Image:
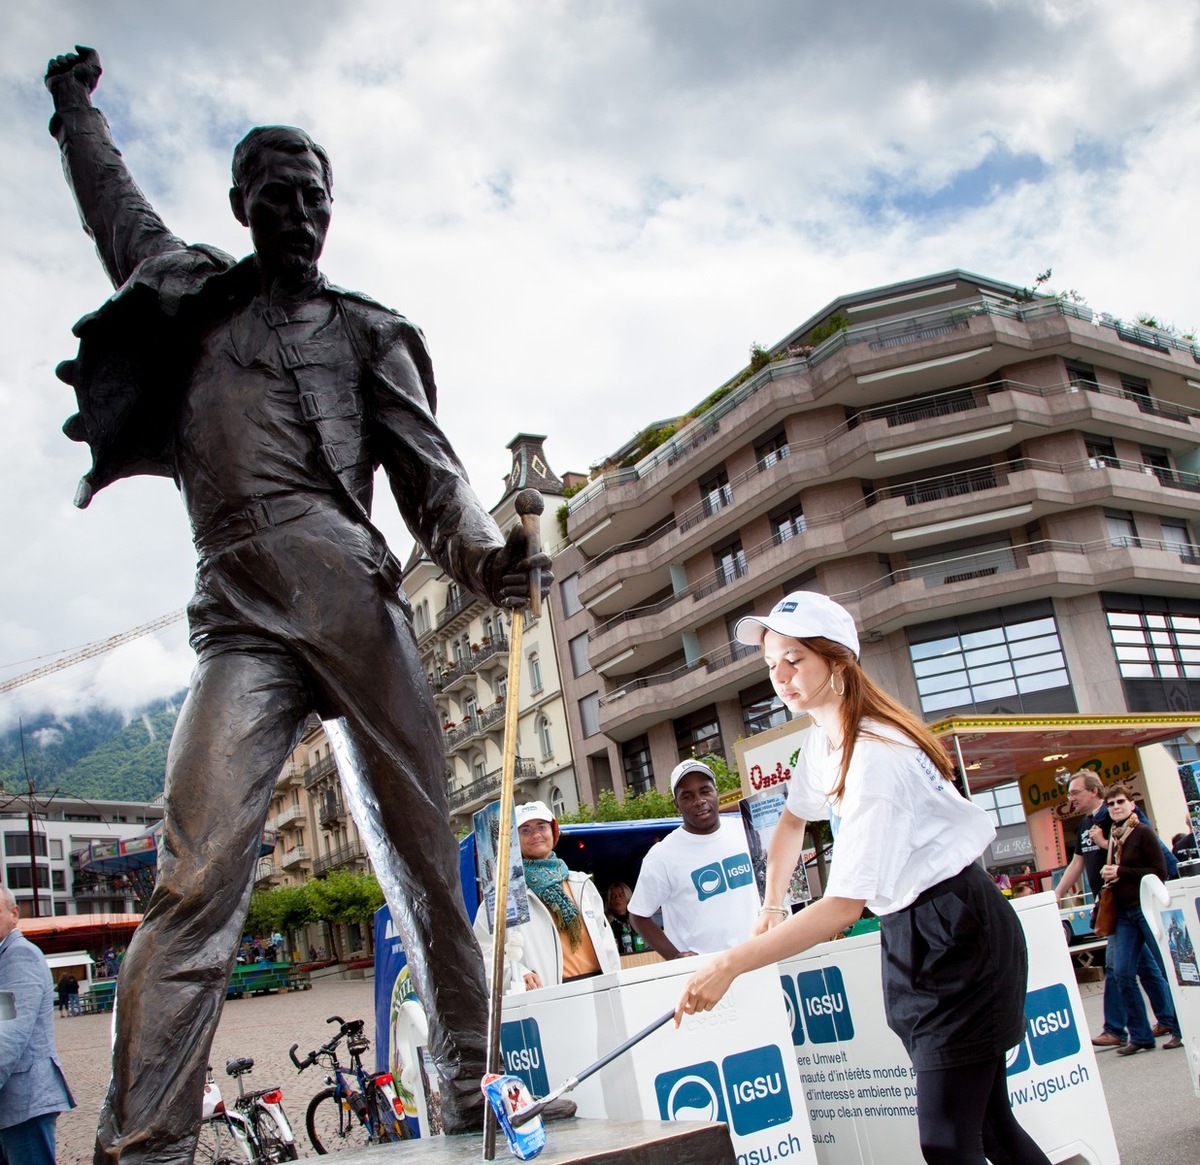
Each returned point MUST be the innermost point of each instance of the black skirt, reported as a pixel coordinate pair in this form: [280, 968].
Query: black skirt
[954, 973]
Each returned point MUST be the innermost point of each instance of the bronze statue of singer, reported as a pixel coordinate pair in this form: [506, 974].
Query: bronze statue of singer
[271, 397]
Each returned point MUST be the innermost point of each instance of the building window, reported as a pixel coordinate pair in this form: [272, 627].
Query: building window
[558, 803]
[730, 561]
[715, 491]
[761, 709]
[990, 657]
[56, 848]
[1158, 462]
[1156, 645]
[787, 522]
[1080, 375]
[1121, 530]
[1101, 451]
[635, 759]
[16, 845]
[544, 738]
[1136, 389]
[579, 654]
[568, 591]
[421, 617]
[535, 672]
[1177, 538]
[500, 687]
[699, 734]
[589, 714]
[771, 449]
[478, 769]
[1002, 803]
[21, 877]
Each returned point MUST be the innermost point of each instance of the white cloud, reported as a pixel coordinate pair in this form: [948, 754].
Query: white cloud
[591, 210]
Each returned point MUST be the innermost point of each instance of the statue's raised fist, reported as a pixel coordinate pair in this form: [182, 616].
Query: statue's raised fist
[80, 68]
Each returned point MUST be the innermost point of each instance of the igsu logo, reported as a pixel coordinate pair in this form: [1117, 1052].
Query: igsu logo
[817, 1000]
[1050, 1030]
[749, 1087]
[521, 1047]
[727, 874]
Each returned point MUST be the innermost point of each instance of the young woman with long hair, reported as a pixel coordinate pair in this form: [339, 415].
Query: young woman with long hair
[906, 844]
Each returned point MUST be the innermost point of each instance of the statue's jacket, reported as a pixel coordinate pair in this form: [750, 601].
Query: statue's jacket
[364, 379]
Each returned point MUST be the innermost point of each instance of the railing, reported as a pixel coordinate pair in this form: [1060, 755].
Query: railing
[485, 651]
[921, 325]
[289, 815]
[294, 857]
[344, 855]
[264, 870]
[479, 721]
[460, 603]
[479, 790]
[325, 767]
[457, 670]
[944, 572]
[330, 808]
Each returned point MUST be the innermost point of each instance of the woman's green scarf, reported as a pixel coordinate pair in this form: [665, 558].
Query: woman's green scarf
[545, 877]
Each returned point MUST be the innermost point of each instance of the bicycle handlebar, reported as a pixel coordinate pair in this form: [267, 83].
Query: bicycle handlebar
[301, 1065]
[353, 1028]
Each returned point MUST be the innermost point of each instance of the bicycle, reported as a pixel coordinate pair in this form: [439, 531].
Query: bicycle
[340, 1116]
[254, 1130]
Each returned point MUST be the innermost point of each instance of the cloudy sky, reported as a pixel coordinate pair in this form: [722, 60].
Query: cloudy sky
[593, 208]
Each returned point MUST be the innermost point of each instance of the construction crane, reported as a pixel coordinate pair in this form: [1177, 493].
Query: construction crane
[90, 650]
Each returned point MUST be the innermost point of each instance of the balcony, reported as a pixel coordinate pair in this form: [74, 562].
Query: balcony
[490, 719]
[330, 809]
[456, 611]
[456, 675]
[265, 872]
[323, 768]
[289, 817]
[479, 792]
[872, 359]
[492, 654]
[294, 857]
[346, 855]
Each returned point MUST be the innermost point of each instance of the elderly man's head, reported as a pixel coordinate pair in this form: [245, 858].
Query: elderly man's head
[9, 913]
[282, 190]
[1085, 791]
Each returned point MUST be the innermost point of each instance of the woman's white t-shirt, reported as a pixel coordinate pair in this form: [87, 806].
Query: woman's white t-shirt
[900, 826]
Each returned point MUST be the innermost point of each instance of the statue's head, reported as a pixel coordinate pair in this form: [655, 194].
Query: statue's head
[283, 190]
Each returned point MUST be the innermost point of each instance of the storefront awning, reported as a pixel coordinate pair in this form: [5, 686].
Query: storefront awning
[997, 749]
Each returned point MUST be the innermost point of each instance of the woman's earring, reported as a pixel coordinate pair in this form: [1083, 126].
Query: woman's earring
[838, 683]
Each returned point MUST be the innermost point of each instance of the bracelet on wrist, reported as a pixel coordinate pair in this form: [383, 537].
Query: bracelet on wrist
[782, 911]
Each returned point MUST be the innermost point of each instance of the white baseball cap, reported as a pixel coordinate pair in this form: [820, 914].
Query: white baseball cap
[536, 811]
[801, 615]
[682, 769]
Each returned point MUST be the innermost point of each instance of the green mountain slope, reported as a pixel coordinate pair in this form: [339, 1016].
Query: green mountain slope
[94, 754]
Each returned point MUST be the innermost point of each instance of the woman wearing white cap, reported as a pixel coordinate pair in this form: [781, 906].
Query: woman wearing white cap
[568, 935]
[906, 843]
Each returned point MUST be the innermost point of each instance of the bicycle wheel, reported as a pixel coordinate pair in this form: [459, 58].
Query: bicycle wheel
[332, 1126]
[271, 1147]
[215, 1144]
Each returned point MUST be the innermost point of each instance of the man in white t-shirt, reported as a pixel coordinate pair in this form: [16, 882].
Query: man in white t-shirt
[700, 876]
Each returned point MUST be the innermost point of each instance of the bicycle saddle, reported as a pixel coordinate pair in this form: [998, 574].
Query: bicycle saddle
[239, 1065]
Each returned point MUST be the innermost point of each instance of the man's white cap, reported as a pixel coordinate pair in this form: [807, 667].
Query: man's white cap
[682, 769]
[801, 615]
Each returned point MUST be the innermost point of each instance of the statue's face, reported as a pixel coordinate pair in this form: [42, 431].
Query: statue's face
[287, 209]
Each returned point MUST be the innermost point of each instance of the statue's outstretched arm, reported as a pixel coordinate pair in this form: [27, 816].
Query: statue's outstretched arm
[114, 211]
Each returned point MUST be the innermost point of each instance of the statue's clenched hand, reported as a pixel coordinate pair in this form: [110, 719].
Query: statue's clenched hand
[72, 77]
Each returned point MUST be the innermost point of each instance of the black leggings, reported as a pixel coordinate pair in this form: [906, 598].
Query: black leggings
[963, 1115]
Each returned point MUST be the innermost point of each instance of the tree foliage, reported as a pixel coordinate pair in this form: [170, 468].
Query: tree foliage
[651, 804]
[341, 896]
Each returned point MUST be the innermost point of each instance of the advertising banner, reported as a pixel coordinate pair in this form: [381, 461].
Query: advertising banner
[1173, 911]
[858, 1080]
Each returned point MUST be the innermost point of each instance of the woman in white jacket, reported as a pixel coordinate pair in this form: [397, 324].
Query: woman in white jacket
[567, 936]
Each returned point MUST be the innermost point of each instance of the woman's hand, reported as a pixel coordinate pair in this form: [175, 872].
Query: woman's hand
[705, 988]
[1110, 872]
[532, 981]
[768, 917]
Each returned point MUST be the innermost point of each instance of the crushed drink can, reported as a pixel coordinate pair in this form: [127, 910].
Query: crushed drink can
[508, 1096]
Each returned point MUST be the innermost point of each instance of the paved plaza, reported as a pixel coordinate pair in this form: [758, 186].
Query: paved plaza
[1154, 1112]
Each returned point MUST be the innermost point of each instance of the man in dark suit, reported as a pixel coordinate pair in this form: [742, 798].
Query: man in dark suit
[33, 1090]
[271, 397]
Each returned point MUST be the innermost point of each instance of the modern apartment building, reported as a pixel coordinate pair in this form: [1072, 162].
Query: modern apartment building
[464, 645]
[62, 827]
[1001, 487]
